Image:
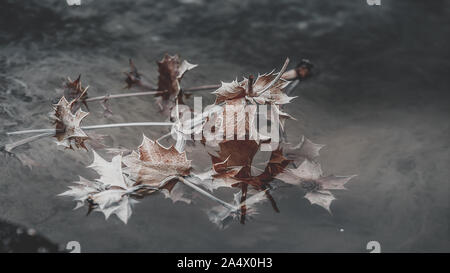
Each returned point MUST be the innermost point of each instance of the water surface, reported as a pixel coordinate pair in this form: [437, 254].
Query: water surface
[379, 101]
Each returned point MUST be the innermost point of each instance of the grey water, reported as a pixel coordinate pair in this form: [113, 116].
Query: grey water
[379, 100]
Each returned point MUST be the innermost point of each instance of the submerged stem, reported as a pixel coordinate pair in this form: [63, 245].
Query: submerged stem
[207, 194]
[11, 146]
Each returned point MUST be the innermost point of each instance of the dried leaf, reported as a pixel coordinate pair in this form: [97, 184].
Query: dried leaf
[73, 91]
[273, 95]
[229, 91]
[306, 149]
[133, 77]
[310, 177]
[109, 194]
[219, 176]
[321, 198]
[110, 172]
[222, 216]
[177, 193]
[153, 163]
[276, 165]
[107, 112]
[237, 153]
[68, 131]
[171, 70]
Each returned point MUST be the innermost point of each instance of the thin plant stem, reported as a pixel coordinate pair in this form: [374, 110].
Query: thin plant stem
[202, 87]
[50, 132]
[152, 92]
[92, 127]
[130, 124]
[125, 95]
[207, 194]
[11, 146]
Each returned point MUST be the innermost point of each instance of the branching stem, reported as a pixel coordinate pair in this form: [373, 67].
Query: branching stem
[50, 132]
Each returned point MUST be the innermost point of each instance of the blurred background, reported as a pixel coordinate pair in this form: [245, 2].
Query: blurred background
[379, 100]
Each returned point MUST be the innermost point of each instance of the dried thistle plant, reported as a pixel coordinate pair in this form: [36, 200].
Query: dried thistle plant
[153, 168]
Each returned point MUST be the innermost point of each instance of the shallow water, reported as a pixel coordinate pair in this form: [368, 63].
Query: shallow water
[379, 101]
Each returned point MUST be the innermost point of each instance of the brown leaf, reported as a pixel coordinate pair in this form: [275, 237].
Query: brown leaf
[68, 129]
[136, 80]
[153, 163]
[236, 121]
[267, 89]
[276, 165]
[254, 94]
[236, 153]
[171, 70]
[73, 91]
[133, 77]
[229, 91]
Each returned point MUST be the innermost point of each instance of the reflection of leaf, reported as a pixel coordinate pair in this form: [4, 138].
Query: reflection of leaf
[276, 165]
[222, 216]
[68, 129]
[107, 113]
[237, 153]
[177, 193]
[219, 176]
[96, 141]
[307, 171]
[306, 149]
[133, 77]
[321, 198]
[27, 161]
[82, 190]
[310, 177]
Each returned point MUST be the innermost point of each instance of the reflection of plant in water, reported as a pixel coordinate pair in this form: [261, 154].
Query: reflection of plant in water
[153, 168]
